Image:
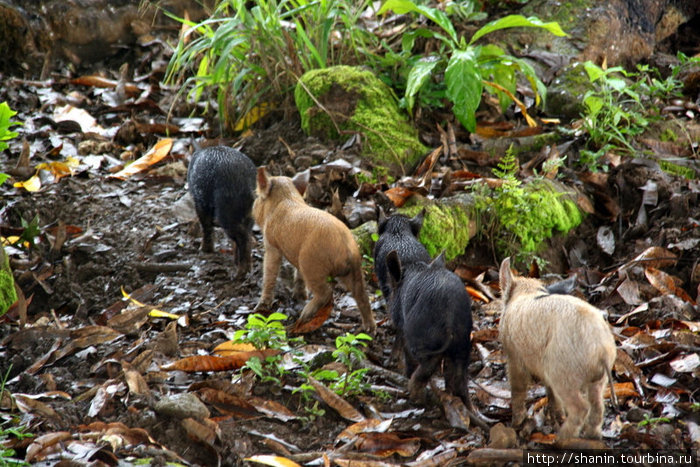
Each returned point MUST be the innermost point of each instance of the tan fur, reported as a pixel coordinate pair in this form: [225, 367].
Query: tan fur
[563, 342]
[315, 242]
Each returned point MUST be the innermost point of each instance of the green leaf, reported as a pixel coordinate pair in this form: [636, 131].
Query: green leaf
[417, 77]
[594, 71]
[439, 17]
[515, 21]
[464, 87]
[3, 177]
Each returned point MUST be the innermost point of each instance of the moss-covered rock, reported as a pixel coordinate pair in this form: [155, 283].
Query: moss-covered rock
[564, 95]
[448, 225]
[8, 295]
[364, 236]
[358, 102]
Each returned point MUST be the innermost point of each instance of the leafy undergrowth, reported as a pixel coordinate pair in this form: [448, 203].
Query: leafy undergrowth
[118, 348]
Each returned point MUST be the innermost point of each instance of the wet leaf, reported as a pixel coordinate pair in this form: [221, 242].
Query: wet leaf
[654, 257]
[134, 380]
[96, 81]
[214, 363]
[314, 323]
[32, 184]
[68, 113]
[686, 363]
[86, 337]
[387, 444]
[365, 426]
[606, 239]
[205, 431]
[272, 409]
[34, 407]
[339, 404]
[46, 444]
[154, 155]
[666, 284]
[622, 390]
[232, 348]
[274, 461]
[399, 195]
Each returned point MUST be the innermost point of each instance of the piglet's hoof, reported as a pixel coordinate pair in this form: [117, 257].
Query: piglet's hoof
[262, 307]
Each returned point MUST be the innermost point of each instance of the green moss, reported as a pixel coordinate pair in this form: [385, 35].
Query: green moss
[359, 103]
[668, 135]
[8, 295]
[364, 236]
[447, 226]
[675, 169]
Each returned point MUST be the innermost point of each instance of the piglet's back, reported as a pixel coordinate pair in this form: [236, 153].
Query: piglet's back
[547, 324]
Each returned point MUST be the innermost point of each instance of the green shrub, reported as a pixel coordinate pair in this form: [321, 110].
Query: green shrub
[251, 55]
[466, 67]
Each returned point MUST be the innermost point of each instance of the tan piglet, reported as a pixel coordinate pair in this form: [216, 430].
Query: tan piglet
[563, 342]
[315, 242]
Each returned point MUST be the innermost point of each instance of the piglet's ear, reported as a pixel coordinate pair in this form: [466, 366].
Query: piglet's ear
[439, 261]
[505, 279]
[263, 182]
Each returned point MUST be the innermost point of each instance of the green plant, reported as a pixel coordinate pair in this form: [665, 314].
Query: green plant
[348, 353]
[266, 332]
[6, 114]
[467, 67]
[614, 113]
[251, 53]
[649, 422]
[7, 455]
[521, 216]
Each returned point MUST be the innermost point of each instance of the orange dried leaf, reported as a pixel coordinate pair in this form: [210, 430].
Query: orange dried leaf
[387, 444]
[274, 461]
[230, 404]
[230, 347]
[429, 162]
[205, 432]
[541, 438]
[156, 154]
[476, 295]
[339, 404]
[666, 284]
[625, 389]
[314, 323]
[213, 363]
[398, 195]
[368, 425]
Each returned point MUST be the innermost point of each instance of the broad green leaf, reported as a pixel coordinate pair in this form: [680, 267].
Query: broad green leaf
[618, 84]
[514, 21]
[433, 14]
[594, 71]
[3, 177]
[464, 87]
[535, 82]
[594, 104]
[419, 74]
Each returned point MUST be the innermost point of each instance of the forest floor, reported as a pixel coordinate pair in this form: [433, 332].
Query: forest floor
[87, 367]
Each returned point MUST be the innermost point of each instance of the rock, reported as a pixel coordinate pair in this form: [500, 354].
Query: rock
[359, 103]
[502, 437]
[8, 294]
[183, 405]
[448, 225]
